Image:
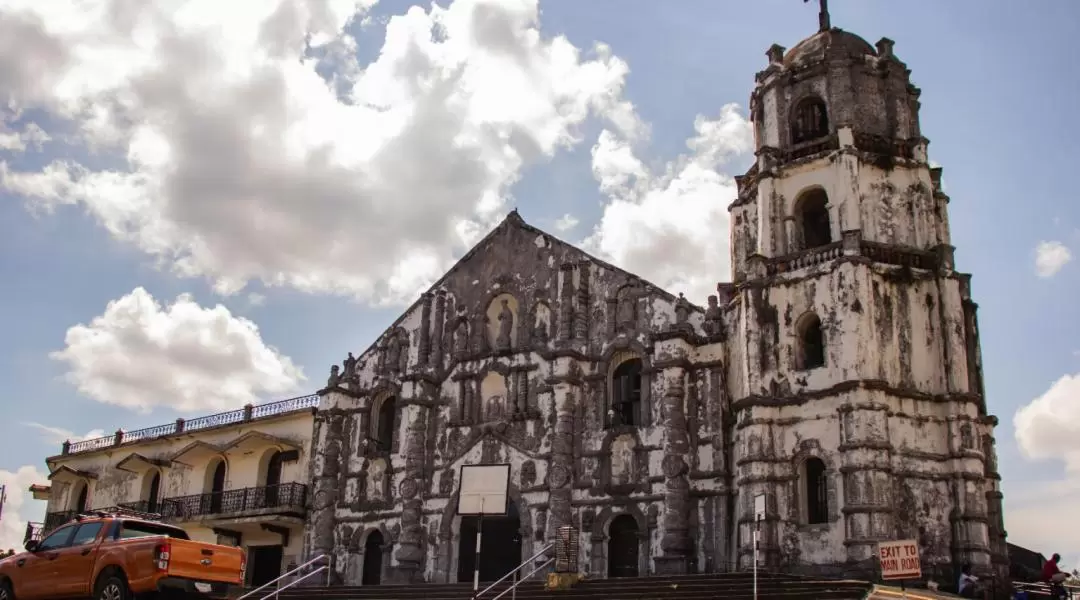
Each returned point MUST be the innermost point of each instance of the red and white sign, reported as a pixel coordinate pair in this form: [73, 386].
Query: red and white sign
[899, 560]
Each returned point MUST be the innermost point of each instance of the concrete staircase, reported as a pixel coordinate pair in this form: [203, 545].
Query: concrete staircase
[686, 587]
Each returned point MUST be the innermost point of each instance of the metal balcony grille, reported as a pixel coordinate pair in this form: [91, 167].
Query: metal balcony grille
[285, 496]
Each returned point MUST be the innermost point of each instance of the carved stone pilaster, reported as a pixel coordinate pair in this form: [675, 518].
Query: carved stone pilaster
[424, 353]
[410, 554]
[675, 542]
[440, 320]
[581, 318]
[566, 303]
[327, 483]
[561, 472]
[609, 317]
[521, 392]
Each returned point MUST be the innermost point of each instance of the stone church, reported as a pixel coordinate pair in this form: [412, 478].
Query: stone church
[838, 374]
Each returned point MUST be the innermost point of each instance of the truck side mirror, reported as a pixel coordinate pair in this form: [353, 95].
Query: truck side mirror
[31, 545]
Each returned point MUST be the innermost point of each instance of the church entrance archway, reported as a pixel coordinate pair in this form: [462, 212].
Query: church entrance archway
[500, 546]
[373, 551]
[623, 547]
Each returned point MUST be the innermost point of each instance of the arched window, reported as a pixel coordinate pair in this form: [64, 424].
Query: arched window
[816, 488]
[809, 121]
[153, 492]
[626, 394]
[812, 217]
[810, 353]
[384, 425]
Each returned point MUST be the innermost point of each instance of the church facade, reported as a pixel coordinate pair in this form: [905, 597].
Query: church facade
[838, 375]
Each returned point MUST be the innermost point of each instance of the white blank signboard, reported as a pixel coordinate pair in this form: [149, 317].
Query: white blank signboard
[483, 489]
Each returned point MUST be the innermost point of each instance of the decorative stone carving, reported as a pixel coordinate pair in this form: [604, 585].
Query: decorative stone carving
[439, 324]
[348, 370]
[588, 521]
[676, 540]
[408, 489]
[542, 324]
[581, 319]
[461, 337]
[395, 350]
[626, 311]
[967, 440]
[566, 303]
[713, 318]
[425, 331]
[528, 474]
[446, 482]
[653, 516]
[541, 525]
[558, 476]
[622, 459]
[376, 480]
[682, 311]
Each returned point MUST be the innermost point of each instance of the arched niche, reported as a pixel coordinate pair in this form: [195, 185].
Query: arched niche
[810, 348]
[813, 224]
[809, 120]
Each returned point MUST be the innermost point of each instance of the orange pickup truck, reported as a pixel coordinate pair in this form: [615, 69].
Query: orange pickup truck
[110, 557]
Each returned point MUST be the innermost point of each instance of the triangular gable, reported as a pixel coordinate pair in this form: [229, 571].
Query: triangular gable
[478, 435]
[259, 438]
[66, 473]
[137, 463]
[195, 449]
[513, 219]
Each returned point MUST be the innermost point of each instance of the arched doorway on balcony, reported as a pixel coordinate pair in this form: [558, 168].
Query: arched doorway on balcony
[215, 485]
[273, 479]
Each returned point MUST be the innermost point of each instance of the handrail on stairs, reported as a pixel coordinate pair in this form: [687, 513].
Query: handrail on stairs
[325, 567]
[514, 572]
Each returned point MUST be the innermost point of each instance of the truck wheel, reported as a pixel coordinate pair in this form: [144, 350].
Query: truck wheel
[112, 587]
[5, 591]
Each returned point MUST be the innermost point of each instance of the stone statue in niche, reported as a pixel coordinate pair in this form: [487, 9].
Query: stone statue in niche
[622, 460]
[626, 307]
[506, 326]
[461, 337]
[446, 482]
[335, 376]
[713, 324]
[376, 480]
[494, 409]
[348, 369]
[393, 352]
[966, 440]
[542, 319]
[588, 520]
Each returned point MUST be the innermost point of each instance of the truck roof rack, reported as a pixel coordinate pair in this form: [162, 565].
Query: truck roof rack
[118, 511]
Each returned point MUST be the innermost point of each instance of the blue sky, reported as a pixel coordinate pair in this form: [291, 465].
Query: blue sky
[999, 84]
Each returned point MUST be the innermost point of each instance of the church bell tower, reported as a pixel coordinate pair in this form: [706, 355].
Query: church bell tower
[855, 370]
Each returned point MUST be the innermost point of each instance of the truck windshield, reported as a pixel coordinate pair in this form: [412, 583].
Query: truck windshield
[136, 529]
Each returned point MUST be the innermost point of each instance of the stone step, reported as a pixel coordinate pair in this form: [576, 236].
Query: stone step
[689, 587]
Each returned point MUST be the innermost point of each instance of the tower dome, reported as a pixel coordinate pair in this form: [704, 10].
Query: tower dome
[826, 44]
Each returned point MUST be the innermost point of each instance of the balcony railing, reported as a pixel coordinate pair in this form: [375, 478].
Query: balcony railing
[283, 497]
[240, 415]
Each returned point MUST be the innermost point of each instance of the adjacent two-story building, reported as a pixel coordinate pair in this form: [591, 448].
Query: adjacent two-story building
[237, 478]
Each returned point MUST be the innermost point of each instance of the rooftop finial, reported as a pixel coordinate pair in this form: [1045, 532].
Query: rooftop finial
[823, 16]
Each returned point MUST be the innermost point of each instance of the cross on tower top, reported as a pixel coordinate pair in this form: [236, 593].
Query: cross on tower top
[823, 16]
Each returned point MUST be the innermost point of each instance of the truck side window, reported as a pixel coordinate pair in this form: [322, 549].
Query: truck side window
[57, 539]
[87, 534]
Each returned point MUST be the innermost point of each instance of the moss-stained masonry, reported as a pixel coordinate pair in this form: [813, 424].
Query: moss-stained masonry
[509, 359]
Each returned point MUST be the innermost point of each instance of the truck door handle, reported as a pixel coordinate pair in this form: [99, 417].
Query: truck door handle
[20, 562]
[87, 551]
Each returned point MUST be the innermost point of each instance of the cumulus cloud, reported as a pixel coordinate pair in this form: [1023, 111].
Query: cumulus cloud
[1048, 428]
[31, 136]
[671, 226]
[141, 355]
[20, 506]
[1050, 257]
[59, 435]
[248, 143]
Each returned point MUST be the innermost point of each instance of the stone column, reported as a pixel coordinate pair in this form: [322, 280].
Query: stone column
[410, 554]
[566, 303]
[675, 543]
[867, 471]
[439, 324]
[581, 318]
[424, 353]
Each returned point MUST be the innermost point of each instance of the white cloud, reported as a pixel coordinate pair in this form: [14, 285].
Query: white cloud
[237, 161]
[671, 227]
[17, 141]
[1048, 428]
[59, 435]
[1050, 257]
[20, 506]
[256, 299]
[566, 222]
[141, 355]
